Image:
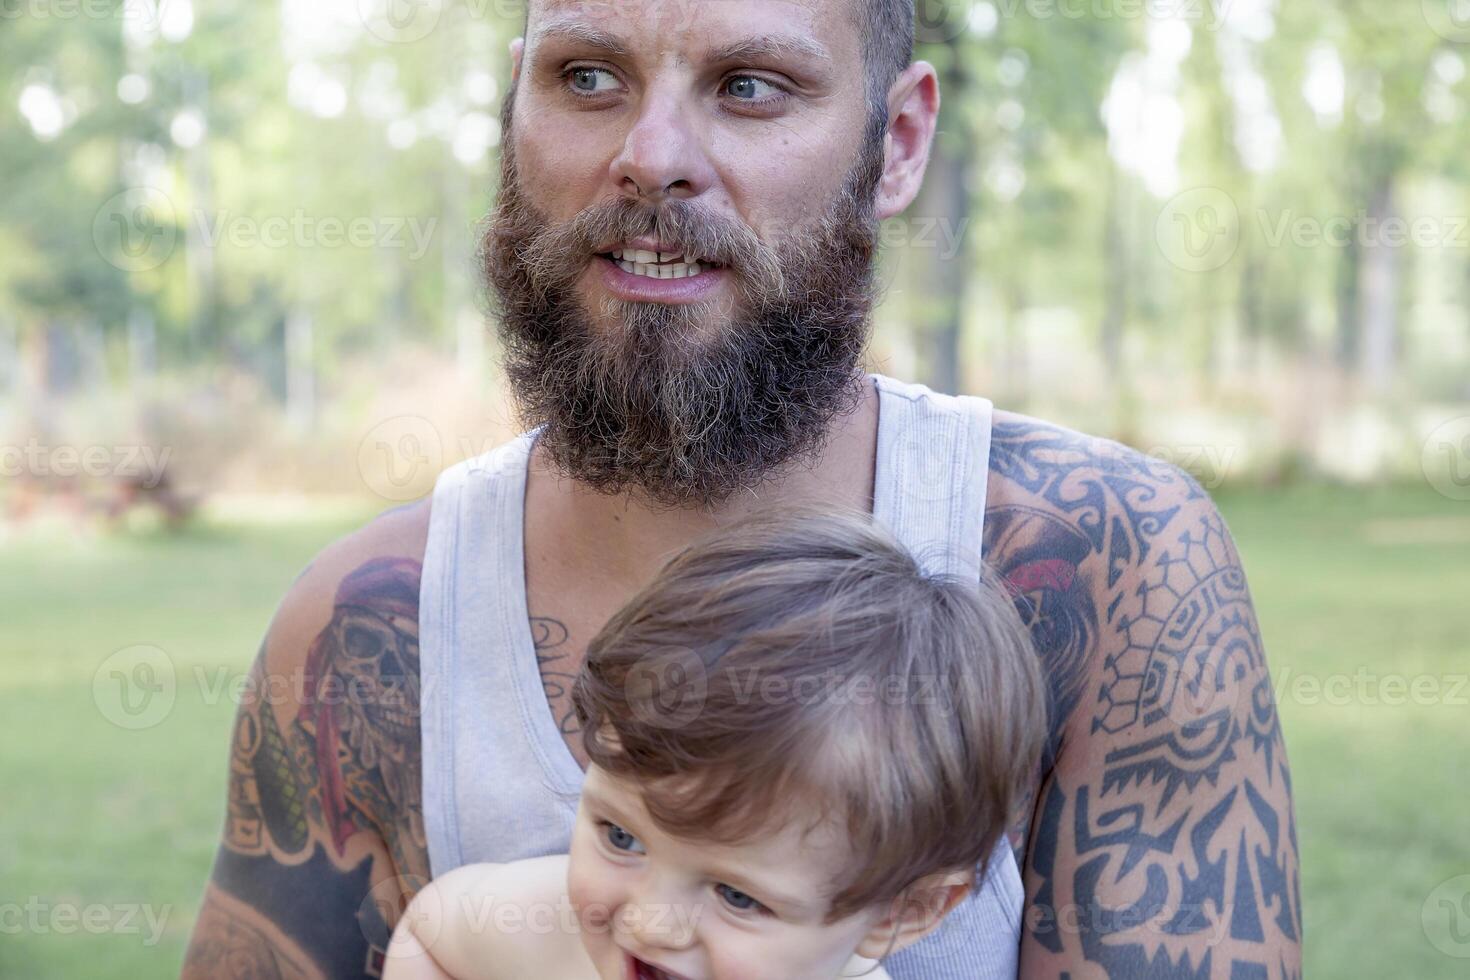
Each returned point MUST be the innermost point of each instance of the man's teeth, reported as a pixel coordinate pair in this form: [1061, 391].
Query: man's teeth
[656, 265]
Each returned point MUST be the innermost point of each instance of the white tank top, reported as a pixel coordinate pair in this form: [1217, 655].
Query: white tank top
[500, 783]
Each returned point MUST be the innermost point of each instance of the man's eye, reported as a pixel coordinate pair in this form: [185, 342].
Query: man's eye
[748, 88]
[738, 900]
[620, 838]
[585, 80]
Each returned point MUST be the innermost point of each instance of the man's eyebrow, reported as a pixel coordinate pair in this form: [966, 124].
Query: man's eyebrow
[750, 48]
[770, 45]
[578, 33]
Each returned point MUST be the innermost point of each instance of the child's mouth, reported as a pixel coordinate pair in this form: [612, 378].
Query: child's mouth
[639, 970]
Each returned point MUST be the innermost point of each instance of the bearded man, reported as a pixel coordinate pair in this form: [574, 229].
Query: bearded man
[681, 259]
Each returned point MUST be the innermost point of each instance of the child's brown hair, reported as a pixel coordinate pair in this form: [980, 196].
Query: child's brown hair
[803, 665]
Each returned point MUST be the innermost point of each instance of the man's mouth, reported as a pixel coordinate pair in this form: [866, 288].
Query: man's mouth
[658, 265]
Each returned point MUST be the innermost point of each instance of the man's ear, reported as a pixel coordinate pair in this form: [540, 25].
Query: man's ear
[916, 913]
[913, 114]
[517, 49]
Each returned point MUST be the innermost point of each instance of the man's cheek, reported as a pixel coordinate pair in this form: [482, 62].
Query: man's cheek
[555, 176]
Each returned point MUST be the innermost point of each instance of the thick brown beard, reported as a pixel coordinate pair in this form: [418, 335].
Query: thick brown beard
[667, 407]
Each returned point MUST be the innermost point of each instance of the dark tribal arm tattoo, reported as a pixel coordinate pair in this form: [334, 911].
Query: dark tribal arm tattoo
[324, 840]
[1162, 845]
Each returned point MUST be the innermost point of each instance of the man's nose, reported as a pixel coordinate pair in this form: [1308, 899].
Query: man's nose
[662, 155]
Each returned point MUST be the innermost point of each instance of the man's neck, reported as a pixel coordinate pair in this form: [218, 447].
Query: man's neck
[619, 539]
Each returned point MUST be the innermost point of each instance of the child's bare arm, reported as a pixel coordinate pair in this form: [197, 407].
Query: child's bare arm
[436, 938]
[471, 924]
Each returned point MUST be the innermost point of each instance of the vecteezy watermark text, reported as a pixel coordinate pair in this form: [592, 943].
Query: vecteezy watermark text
[40, 460]
[38, 916]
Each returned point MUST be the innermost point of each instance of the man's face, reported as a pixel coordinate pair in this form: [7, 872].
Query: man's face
[732, 139]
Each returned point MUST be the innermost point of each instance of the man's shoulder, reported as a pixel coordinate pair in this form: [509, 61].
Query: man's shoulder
[1089, 533]
[1047, 464]
[376, 567]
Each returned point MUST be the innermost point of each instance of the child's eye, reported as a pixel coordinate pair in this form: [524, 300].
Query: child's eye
[619, 838]
[738, 900]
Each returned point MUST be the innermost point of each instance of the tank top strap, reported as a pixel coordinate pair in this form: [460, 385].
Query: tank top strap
[931, 474]
[929, 490]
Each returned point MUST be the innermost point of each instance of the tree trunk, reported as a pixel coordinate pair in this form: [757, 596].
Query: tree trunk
[1252, 314]
[1016, 362]
[1115, 279]
[1380, 291]
[944, 199]
[1348, 273]
[300, 371]
[198, 250]
[142, 346]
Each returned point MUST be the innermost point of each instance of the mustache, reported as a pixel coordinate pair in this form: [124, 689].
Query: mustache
[556, 254]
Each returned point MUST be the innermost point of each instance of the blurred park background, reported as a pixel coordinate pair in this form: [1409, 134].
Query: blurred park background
[239, 316]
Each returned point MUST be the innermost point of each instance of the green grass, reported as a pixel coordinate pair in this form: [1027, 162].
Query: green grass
[1359, 586]
[93, 815]
[1347, 583]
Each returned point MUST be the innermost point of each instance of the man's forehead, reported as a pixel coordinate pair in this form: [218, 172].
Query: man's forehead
[827, 26]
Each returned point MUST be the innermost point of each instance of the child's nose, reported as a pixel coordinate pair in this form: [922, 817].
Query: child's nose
[660, 918]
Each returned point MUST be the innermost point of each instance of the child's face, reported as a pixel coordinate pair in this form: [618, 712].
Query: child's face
[699, 911]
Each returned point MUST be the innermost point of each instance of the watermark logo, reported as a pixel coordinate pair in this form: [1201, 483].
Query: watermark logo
[136, 229]
[667, 693]
[400, 458]
[1445, 916]
[135, 687]
[939, 21]
[399, 900]
[1199, 230]
[1445, 459]
[1215, 693]
[1450, 19]
[927, 471]
[400, 21]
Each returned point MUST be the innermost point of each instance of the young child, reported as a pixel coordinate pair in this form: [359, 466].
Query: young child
[803, 751]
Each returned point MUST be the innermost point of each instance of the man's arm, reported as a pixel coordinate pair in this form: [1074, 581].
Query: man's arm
[323, 841]
[1163, 843]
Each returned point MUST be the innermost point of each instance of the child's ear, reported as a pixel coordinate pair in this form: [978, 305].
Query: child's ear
[916, 913]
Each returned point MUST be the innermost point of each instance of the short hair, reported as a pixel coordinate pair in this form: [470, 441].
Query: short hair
[887, 30]
[801, 665]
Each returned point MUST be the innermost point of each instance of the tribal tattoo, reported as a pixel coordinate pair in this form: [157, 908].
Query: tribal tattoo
[1163, 843]
[324, 840]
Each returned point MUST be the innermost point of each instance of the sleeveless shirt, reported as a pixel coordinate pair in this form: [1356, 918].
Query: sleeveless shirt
[500, 784]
